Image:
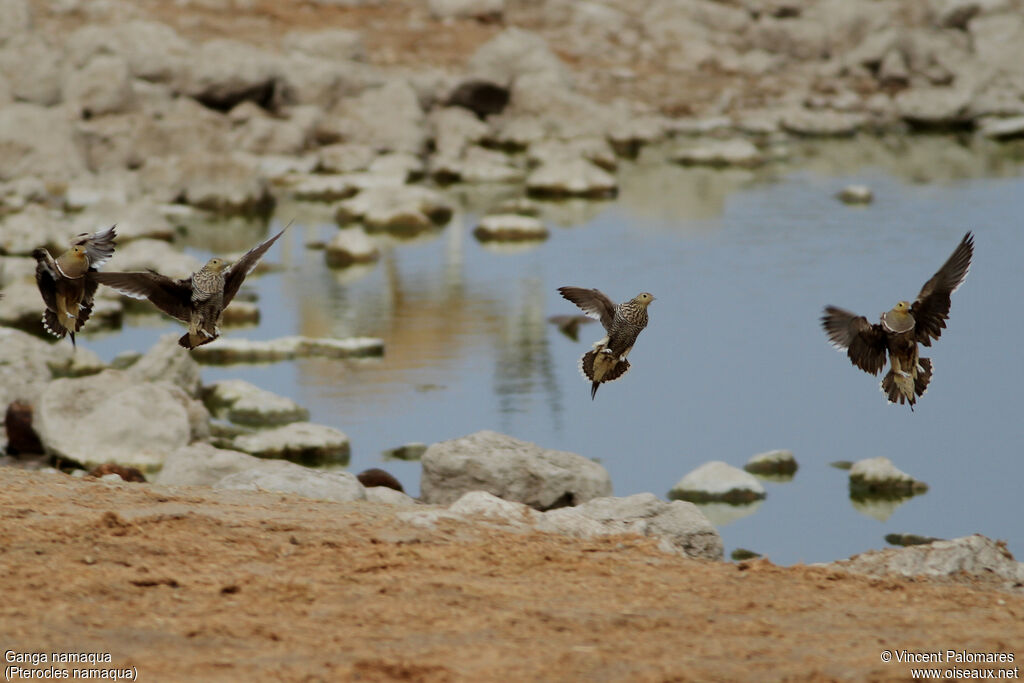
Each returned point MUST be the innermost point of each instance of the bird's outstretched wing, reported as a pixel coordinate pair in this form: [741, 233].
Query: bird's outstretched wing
[173, 297]
[237, 271]
[931, 309]
[99, 246]
[865, 344]
[592, 302]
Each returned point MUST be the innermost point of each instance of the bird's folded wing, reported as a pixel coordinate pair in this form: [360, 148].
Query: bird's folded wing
[46, 277]
[173, 297]
[239, 269]
[865, 343]
[931, 309]
[592, 302]
[99, 246]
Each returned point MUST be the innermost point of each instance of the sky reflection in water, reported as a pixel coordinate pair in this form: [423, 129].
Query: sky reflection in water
[733, 362]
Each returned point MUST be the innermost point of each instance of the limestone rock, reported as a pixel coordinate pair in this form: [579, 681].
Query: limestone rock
[102, 86]
[822, 123]
[514, 53]
[383, 494]
[679, 525]
[404, 210]
[972, 555]
[32, 67]
[225, 350]
[200, 464]
[717, 481]
[934, 107]
[340, 487]
[222, 72]
[333, 43]
[510, 227]
[772, 462]
[167, 361]
[247, 404]
[735, 152]
[387, 118]
[574, 178]
[510, 469]
[856, 194]
[37, 141]
[878, 477]
[466, 9]
[302, 442]
[112, 417]
[350, 247]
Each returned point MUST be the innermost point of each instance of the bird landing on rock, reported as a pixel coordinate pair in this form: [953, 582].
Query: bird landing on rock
[623, 323]
[67, 282]
[198, 301]
[901, 329]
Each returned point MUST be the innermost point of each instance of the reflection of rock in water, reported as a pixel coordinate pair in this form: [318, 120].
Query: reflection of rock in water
[880, 508]
[721, 514]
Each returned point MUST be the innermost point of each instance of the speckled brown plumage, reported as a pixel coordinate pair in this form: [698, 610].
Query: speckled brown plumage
[623, 323]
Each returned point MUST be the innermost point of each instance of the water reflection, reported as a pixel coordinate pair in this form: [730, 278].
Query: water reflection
[721, 514]
[875, 507]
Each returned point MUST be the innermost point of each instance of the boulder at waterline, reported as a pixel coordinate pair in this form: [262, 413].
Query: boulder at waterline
[717, 481]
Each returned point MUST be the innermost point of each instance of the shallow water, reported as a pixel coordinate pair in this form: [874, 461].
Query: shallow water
[733, 362]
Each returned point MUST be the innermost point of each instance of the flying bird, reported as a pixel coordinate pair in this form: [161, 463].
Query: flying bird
[569, 325]
[901, 330]
[68, 283]
[623, 323]
[198, 300]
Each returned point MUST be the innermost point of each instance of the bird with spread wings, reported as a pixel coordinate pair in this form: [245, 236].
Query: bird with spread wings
[901, 330]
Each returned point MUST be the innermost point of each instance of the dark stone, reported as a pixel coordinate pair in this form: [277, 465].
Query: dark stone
[483, 98]
[21, 437]
[126, 473]
[378, 477]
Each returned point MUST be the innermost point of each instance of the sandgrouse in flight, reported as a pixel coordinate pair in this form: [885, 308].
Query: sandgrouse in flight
[901, 330]
[68, 283]
[623, 323]
[199, 300]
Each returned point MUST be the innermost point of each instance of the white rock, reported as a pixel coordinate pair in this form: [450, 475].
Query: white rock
[772, 462]
[822, 123]
[112, 417]
[226, 350]
[483, 504]
[510, 227]
[349, 247]
[934, 107]
[1003, 128]
[410, 209]
[735, 152]
[222, 72]
[102, 86]
[384, 494]
[388, 118]
[341, 487]
[514, 53]
[200, 464]
[856, 194]
[455, 129]
[593, 149]
[718, 481]
[476, 165]
[573, 178]
[345, 157]
[167, 361]
[321, 187]
[149, 254]
[302, 442]
[879, 476]
[32, 67]
[247, 404]
[27, 363]
[679, 525]
[511, 469]
[37, 141]
[333, 43]
[973, 555]
[228, 184]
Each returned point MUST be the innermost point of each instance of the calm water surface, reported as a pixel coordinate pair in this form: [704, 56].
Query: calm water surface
[733, 362]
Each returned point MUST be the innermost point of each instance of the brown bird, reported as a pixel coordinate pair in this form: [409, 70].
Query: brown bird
[901, 330]
[569, 325]
[607, 362]
[67, 283]
[199, 300]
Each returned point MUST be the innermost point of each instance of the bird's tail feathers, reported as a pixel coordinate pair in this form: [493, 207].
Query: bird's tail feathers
[901, 389]
[52, 325]
[190, 341]
[601, 367]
